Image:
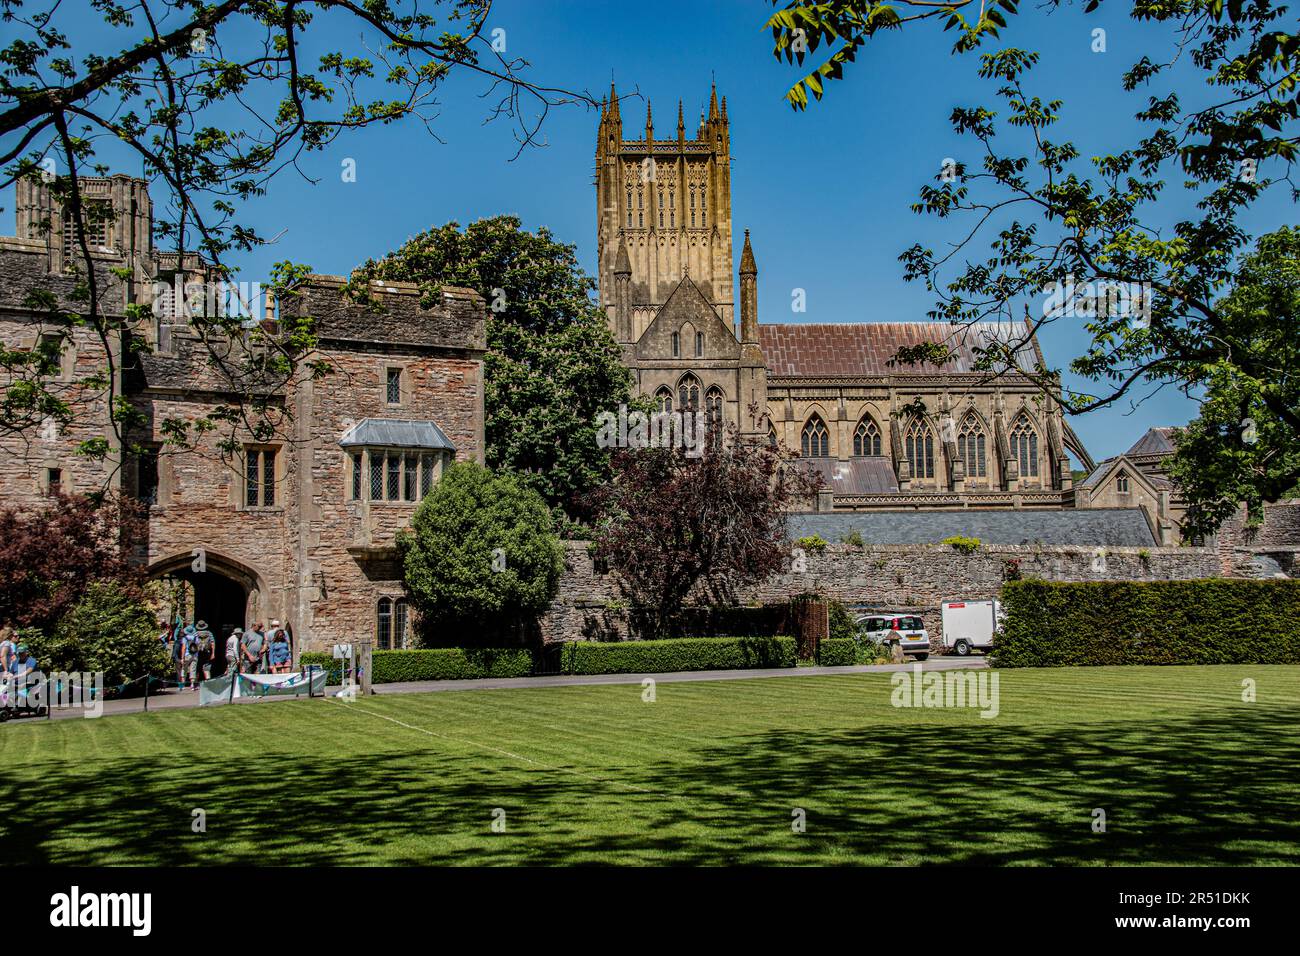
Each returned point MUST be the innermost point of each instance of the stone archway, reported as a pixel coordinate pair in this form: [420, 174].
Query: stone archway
[221, 591]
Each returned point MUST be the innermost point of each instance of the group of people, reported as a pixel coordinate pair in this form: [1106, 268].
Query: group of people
[257, 650]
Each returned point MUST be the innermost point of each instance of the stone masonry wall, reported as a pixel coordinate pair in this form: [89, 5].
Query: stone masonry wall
[914, 578]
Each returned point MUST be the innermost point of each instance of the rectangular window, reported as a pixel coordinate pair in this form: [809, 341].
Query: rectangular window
[394, 386]
[376, 477]
[146, 477]
[410, 476]
[53, 480]
[399, 624]
[356, 477]
[394, 476]
[259, 477]
[426, 474]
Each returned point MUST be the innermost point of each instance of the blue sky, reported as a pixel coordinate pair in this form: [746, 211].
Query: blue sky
[825, 193]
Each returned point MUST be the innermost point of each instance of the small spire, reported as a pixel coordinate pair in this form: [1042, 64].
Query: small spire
[724, 109]
[713, 103]
[681, 122]
[649, 121]
[623, 262]
[747, 265]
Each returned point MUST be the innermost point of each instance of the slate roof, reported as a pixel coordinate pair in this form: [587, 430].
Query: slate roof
[834, 349]
[1095, 477]
[861, 476]
[1117, 527]
[395, 433]
[1156, 441]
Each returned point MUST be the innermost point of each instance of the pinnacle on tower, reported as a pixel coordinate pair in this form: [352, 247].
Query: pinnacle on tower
[681, 122]
[623, 263]
[649, 122]
[713, 103]
[747, 264]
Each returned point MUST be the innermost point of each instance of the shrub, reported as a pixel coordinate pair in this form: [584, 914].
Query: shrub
[964, 545]
[682, 654]
[853, 539]
[837, 652]
[482, 556]
[108, 630]
[444, 663]
[842, 625]
[1050, 624]
[812, 542]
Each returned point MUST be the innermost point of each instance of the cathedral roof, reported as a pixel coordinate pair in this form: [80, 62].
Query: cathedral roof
[1117, 527]
[1156, 441]
[832, 349]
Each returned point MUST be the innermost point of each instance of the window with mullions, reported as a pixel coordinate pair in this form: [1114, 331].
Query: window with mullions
[970, 448]
[866, 439]
[394, 475]
[918, 446]
[259, 477]
[391, 624]
[1024, 446]
[816, 440]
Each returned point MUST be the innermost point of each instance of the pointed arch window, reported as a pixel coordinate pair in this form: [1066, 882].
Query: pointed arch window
[816, 440]
[970, 447]
[1121, 483]
[688, 393]
[699, 344]
[713, 404]
[866, 438]
[677, 345]
[918, 446]
[771, 435]
[1024, 446]
[664, 399]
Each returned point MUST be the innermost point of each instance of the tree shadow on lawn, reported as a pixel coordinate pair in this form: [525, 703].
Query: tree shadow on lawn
[1211, 789]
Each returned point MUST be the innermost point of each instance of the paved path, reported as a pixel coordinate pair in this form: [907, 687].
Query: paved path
[179, 700]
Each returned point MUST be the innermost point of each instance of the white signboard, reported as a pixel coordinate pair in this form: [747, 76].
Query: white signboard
[343, 651]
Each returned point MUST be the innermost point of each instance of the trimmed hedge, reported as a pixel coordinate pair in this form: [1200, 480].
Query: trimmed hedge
[1215, 621]
[443, 663]
[678, 654]
[837, 652]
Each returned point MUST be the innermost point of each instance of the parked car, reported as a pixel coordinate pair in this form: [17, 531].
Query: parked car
[970, 625]
[906, 630]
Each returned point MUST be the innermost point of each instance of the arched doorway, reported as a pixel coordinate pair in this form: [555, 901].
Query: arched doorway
[215, 590]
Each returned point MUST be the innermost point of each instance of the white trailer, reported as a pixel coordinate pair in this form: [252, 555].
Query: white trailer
[970, 625]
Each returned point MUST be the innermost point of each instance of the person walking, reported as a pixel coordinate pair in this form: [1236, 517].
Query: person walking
[206, 647]
[232, 650]
[178, 654]
[8, 648]
[254, 651]
[190, 638]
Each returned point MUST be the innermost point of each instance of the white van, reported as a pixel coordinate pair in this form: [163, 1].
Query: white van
[970, 625]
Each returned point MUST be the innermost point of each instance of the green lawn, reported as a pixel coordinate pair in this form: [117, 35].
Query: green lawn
[707, 774]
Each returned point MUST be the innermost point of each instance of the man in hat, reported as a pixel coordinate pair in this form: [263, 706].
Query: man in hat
[190, 650]
[207, 650]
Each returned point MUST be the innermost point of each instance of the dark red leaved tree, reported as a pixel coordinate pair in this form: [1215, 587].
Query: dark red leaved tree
[675, 526]
[49, 557]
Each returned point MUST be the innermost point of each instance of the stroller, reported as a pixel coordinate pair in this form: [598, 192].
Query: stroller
[16, 699]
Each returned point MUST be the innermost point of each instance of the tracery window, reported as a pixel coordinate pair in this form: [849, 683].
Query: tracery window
[816, 440]
[866, 438]
[918, 446]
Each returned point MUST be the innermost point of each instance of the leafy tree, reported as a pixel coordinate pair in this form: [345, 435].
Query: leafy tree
[1102, 237]
[552, 364]
[1238, 449]
[107, 630]
[50, 558]
[214, 99]
[481, 559]
[674, 526]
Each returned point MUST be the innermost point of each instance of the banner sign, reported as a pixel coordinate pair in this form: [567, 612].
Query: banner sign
[218, 691]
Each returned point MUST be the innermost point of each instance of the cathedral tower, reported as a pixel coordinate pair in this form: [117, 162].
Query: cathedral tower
[665, 204]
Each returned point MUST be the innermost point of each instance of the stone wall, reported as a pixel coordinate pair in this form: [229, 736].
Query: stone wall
[914, 578]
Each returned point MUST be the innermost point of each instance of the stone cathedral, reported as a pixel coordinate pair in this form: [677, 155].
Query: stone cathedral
[692, 338]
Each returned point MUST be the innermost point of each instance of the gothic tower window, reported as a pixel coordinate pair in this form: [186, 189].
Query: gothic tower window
[1024, 446]
[970, 447]
[918, 446]
[688, 393]
[866, 438]
[699, 344]
[672, 209]
[677, 345]
[816, 439]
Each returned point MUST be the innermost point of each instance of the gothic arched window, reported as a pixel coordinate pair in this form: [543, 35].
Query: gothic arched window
[866, 438]
[688, 393]
[1121, 483]
[816, 439]
[677, 345]
[664, 398]
[713, 402]
[918, 446]
[1024, 446]
[699, 344]
[970, 447]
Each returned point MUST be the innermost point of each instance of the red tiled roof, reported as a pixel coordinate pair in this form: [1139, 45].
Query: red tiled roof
[833, 349]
